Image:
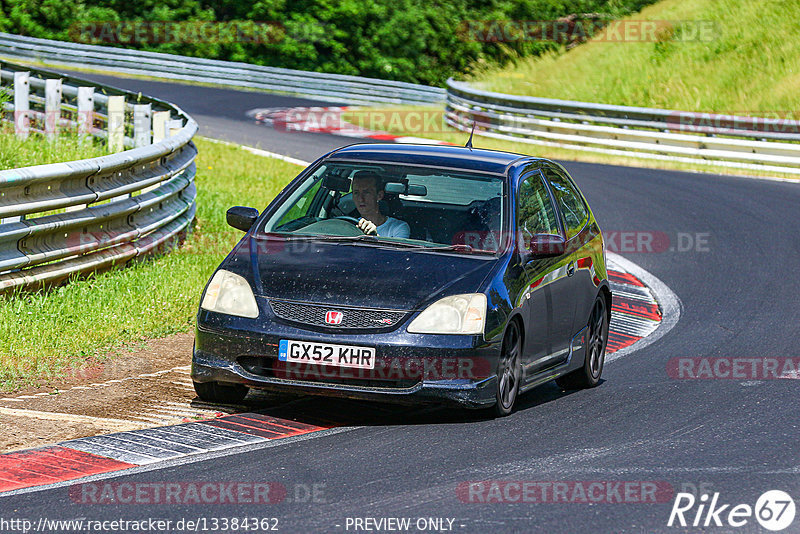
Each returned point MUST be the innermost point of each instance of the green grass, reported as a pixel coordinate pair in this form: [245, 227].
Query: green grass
[38, 150]
[750, 64]
[45, 334]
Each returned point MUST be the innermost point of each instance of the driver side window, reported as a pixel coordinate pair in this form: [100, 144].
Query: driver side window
[302, 206]
[535, 213]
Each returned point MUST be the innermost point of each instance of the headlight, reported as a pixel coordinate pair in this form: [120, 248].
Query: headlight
[231, 294]
[457, 314]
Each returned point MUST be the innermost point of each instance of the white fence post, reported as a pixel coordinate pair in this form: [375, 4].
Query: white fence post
[22, 122]
[116, 123]
[52, 107]
[142, 118]
[160, 119]
[174, 126]
[85, 111]
[85, 120]
[16, 218]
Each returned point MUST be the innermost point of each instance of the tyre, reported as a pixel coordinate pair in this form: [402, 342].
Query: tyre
[588, 376]
[220, 393]
[508, 371]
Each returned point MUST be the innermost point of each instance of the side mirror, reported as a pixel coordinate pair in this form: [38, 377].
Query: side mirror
[241, 217]
[543, 246]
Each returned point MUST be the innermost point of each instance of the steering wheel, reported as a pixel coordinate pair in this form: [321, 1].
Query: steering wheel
[352, 220]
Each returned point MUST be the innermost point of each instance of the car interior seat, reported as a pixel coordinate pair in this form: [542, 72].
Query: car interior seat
[481, 225]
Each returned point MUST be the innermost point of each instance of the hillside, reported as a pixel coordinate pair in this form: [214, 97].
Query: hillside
[728, 56]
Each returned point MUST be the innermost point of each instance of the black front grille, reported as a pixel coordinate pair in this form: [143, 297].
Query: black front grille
[352, 318]
[315, 374]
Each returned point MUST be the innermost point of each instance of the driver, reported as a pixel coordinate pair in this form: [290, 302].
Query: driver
[366, 195]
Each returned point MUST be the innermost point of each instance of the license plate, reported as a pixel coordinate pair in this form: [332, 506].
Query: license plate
[326, 354]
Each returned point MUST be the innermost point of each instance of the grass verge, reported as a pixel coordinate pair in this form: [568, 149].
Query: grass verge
[52, 333]
[38, 150]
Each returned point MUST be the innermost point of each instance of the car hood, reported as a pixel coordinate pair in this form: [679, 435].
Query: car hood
[361, 275]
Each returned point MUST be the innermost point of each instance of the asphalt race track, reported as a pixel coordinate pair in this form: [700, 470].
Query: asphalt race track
[739, 437]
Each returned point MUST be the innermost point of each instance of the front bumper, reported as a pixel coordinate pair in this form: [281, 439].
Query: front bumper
[409, 368]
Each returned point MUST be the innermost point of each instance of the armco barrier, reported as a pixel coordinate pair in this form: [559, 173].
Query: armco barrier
[765, 144]
[337, 87]
[61, 219]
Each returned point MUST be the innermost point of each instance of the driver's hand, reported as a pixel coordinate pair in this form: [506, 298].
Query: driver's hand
[368, 227]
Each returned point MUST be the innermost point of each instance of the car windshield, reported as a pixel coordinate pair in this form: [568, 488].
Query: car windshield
[410, 206]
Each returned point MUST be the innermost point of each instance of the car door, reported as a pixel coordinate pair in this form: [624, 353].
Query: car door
[547, 301]
[574, 218]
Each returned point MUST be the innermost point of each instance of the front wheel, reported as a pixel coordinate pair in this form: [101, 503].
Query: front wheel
[508, 371]
[588, 376]
[220, 393]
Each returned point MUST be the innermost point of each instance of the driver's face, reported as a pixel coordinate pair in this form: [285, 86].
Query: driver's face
[366, 196]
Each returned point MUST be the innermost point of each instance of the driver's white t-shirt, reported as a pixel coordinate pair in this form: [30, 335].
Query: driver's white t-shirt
[394, 228]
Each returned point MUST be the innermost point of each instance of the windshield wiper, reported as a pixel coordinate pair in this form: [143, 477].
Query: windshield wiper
[461, 248]
[317, 237]
[366, 239]
[376, 241]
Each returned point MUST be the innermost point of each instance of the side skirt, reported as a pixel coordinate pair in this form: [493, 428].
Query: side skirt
[546, 375]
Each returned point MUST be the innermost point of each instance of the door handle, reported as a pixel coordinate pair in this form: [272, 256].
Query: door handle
[571, 268]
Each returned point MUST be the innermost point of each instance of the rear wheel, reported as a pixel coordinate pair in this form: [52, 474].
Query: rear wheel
[220, 393]
[508, 371]
[588, 376]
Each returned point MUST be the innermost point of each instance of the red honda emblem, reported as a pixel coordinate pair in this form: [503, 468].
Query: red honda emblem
[333, 317]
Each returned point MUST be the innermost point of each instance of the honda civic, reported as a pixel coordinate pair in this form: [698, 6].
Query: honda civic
[413, 274]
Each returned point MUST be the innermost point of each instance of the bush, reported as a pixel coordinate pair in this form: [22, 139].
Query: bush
[409, 40]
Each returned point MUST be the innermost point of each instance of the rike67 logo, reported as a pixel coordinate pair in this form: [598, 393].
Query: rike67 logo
[774, 510]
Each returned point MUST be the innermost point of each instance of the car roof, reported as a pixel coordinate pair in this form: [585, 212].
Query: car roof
[456, 157]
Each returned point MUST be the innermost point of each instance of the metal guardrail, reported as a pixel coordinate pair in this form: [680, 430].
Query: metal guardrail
[770, 145]
[61, 219]
[336, 87]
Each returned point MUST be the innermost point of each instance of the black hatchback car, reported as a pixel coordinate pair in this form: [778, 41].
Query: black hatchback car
[410, 273]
